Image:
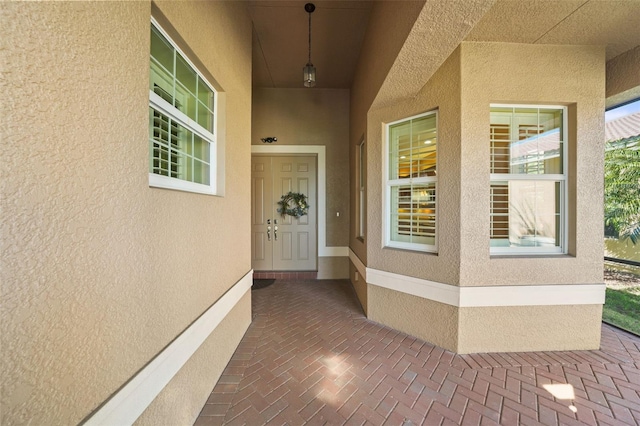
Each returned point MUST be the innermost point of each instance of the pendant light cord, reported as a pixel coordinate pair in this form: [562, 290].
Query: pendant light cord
[309, 37]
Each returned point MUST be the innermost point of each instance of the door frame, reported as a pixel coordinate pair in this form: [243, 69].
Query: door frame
[320, 152]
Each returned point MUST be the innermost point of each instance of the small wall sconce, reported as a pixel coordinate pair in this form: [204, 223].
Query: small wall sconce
[269, 139]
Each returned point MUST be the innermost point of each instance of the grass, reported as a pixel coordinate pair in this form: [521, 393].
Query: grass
[622, 308]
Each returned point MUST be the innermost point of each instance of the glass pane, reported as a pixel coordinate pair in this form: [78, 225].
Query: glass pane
[161, 82]
[412, 148]
[401, 214]
[161, 50]
[413, 214]
[361, 165]
[200, 148]
[201, 172]
[400, 150]
[186, 75]
[185, 101]
[525, 214]
[205, 117]
[526, 140]
[168, 140]
[500, 136]
[423, 146]
[205, 95]
[550, 143]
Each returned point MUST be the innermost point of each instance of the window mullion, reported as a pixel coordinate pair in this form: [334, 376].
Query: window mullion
[156, 102]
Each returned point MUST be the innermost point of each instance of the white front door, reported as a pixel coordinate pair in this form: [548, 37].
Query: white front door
[283, 243]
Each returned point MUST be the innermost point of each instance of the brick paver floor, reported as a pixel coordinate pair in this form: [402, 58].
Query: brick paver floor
[311, 357]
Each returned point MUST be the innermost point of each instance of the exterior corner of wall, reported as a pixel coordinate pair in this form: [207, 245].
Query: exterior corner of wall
[434, 322]
[622, 76]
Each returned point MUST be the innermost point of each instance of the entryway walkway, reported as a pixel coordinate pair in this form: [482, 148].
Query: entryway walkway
[311, 357]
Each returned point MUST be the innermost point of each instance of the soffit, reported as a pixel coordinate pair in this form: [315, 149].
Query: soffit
[612, 23]
[280, 41]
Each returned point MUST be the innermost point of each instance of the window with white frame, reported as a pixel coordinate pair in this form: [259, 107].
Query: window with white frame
[182, 121]
[361, 189]
[411, 183]
[528, 179]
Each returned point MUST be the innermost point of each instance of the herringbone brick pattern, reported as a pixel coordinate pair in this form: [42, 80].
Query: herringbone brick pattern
[311, 357]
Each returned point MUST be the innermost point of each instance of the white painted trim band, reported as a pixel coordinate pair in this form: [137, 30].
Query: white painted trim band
[470, 297]
[131, 401]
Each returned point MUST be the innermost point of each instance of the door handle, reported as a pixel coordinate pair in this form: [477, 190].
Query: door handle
[275, 232]
[268, 229]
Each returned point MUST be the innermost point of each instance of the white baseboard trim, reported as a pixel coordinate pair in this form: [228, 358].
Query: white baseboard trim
[470, 297]
[131, 400]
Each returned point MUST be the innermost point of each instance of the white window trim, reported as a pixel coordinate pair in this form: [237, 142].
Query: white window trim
[389, 183]
[564, 198]
[361, 191]
[159, 104]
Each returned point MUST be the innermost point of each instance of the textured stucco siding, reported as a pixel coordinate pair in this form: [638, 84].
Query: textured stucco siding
[560, 75]
[473, 77]
[442, 92]
[623, 77]
[183, 398]
[432, 321]
[100, 272]
[529, 328]
[333, 268]
[389, 25]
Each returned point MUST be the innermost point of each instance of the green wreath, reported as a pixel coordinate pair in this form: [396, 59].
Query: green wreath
[294, 204]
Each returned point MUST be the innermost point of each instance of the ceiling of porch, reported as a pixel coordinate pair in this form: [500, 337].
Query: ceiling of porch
[280, 38]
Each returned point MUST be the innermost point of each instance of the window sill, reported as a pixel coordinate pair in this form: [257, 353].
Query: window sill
[532, 256]
[433, 251]
[164, 182]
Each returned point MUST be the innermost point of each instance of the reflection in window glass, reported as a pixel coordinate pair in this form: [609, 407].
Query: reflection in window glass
[527, 140]
[528, 178]
[525, 214]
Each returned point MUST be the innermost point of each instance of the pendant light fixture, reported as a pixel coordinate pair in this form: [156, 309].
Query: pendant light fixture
[309, 70]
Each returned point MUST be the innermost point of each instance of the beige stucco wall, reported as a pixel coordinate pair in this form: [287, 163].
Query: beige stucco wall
[185, 395]
[313, 117]
[333, 268]
[100, 272]
[529, 328]
[623, 77]
[560, 75]
[442, 92]
[432, 321]
[474, 76]
[388, 27]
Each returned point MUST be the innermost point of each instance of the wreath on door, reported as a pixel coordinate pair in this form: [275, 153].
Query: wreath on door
[294, 204]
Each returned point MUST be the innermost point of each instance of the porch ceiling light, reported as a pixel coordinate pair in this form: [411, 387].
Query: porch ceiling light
[309, 70]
